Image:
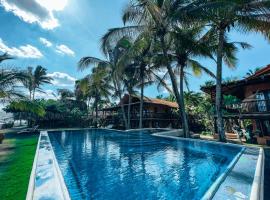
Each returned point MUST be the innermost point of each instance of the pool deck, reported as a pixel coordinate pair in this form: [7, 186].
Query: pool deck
[242, 180]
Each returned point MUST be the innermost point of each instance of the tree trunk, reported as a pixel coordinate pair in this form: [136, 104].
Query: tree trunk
[129, 102]
[142, 91]
[171, 74]
[219, 120]
[182, 104]
[96, 105]
[117, 87]
[30, 95]
[33, 98]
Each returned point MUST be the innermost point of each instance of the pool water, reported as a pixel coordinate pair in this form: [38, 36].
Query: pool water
[105, 164]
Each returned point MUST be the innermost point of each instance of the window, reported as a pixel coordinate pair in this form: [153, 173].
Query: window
[261, 103]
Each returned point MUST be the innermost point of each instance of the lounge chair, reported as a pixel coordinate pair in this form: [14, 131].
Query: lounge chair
[29, 130]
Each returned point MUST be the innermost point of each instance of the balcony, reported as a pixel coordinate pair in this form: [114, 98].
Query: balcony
[254, 106]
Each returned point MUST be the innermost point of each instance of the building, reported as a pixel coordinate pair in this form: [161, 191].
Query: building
[253, 93]
[157, 113]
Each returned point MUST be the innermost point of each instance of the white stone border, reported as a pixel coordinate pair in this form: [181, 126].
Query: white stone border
[258, 181]
[59, 176]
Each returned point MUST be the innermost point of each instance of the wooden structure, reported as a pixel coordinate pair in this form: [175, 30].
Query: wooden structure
[157, 113]
[254, 95]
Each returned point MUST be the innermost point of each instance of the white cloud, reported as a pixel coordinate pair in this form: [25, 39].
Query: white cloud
[47, 94]
[65, 50]
[45, 42]
[25, 51]
[62, 79]
[36, 11]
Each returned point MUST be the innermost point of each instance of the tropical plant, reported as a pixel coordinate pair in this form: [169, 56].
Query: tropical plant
[97, 86]
[9, 80]
[30, 109]
[35, 79]
[252, 72]
[223, 16]
[65, 94]
[111, 64]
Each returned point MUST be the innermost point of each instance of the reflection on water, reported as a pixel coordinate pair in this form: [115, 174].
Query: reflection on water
[100, 164]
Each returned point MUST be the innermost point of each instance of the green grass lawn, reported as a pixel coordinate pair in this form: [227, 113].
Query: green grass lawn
[16, 165]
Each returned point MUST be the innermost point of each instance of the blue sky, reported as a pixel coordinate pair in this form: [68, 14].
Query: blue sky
[57, 33]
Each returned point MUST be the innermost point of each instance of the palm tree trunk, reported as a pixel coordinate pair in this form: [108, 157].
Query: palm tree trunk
[129, 102]
[171, 74]
[219, 120]
[182, 104]
[142, 94]
[30, 95]
[118, 91]
[33, 98]
[96, 108]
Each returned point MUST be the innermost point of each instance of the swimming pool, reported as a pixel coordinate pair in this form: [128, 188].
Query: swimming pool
[106, 164]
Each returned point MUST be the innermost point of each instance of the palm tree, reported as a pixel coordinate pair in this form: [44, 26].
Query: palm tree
[5, 56]
[9, 79]
[137, 57]
[113, 53]
[150, 19]
[222, 16]
[130, 80]
[65, 94]
[252, 72]
[36, 78]
[98, 87]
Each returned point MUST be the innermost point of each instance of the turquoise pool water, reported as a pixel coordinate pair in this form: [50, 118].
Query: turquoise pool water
[105, 164]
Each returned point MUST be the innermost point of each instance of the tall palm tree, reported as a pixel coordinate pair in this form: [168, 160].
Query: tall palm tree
[36, 78]
[113, 54]
[98, 87]
[137, 57]
[149, 18]
[222, 16]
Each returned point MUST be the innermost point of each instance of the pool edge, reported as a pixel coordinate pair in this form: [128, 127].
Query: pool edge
[31, 184]
[257, 189]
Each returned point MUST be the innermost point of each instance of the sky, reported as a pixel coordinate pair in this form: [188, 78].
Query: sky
[57, 33]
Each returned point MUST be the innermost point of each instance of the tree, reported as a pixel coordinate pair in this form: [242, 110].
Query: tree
[97, 86]
[222, 16]
[151, 19]
[252, 72]
[9, 79]
[65, 94]
[113, 54]
[35, 79]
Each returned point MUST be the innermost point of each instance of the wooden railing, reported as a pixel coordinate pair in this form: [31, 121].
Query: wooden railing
[148, 115]
[256, 106]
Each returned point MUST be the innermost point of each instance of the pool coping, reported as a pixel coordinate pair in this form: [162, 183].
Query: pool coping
[256, 189]
[59, 176]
